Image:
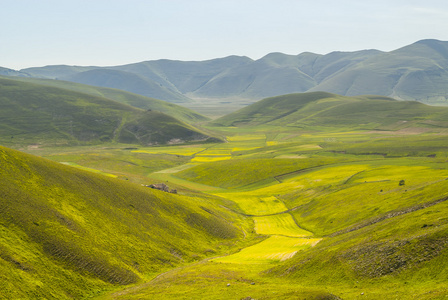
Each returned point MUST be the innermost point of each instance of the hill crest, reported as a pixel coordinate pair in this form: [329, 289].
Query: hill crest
[308, 110]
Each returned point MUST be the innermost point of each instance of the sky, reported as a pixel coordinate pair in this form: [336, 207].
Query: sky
[36, 33]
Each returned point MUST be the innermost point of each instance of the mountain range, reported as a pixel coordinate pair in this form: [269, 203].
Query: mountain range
[414, 72]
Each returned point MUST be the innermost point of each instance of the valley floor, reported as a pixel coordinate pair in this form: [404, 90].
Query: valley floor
[336, 203]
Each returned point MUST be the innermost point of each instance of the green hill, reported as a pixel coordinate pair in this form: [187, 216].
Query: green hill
[308, 110]
[69, 234]
[382, 237]
[36, 114]
[176, 111]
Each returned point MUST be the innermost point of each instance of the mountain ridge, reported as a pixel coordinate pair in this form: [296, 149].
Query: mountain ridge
[418, 71]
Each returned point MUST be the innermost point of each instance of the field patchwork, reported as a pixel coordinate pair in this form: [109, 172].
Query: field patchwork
[174, 150]
[255, 204]
[281, 224]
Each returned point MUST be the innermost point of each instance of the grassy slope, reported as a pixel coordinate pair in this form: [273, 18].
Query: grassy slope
[40, 114]
[135, 100]
[330, 110]
[378, 237]
[401, 256]
[388, 238]
[68, 233]
[242, 172]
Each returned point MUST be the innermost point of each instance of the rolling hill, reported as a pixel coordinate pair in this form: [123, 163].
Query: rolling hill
[71, 234]
[36, 114]
[414, 72]
[139, 101]
[307, 110]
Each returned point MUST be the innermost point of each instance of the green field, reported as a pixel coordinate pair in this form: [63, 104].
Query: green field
[312, 204]
[274, 249]
[281, 224]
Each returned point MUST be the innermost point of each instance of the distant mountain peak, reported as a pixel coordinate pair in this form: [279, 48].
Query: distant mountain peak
[429, 41]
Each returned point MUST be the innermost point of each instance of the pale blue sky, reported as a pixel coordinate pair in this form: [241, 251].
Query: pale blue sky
[114, 32]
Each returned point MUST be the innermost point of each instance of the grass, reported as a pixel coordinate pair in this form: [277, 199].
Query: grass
[281, 224]
[353, 204]
[256, 204]
[89, 169]
[361, 193]
[400, 254]
[67, 232]
[366, 195]
[208, 158]
[330, 217]
[242, 172]
[274, 249]
[122, 162]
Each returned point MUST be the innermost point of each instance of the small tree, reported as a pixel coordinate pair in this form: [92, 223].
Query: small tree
[401, 182]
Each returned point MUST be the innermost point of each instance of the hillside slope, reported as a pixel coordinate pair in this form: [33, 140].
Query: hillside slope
[329, 110]
[35, 114]
[139, 101]
[415, 72]
[67, 233]
[389, 239]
